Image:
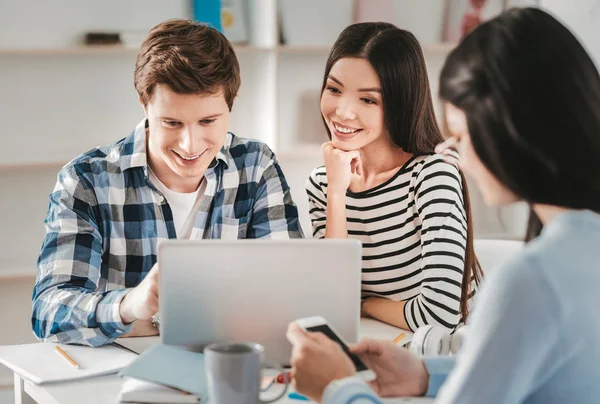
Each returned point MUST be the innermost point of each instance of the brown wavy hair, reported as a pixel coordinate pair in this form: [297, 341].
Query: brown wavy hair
[190, 58]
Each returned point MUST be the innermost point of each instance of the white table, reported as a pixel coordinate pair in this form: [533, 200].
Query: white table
[105, 389]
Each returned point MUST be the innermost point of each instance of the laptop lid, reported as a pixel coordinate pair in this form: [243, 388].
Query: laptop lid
[250, 290]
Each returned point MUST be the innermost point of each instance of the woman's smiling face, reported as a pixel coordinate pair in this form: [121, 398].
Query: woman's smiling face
[351, 104]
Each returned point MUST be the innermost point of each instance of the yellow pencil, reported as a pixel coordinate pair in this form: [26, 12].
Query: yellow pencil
[67, 357]
[398, 338]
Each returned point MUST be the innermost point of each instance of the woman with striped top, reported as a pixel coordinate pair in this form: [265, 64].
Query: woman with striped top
[383, 185]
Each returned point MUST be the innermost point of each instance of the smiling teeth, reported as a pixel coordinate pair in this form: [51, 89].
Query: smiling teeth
[344, 130]
[190, 158]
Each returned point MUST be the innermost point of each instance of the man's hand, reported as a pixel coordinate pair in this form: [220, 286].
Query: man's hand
[316, 361]
[141, 328]
[142, 301]
[399, 373]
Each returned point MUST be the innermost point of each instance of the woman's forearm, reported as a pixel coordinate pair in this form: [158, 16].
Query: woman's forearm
[388, 311]
[335, 225]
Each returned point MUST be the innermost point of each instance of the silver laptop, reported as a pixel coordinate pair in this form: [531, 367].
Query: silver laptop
[250, 290]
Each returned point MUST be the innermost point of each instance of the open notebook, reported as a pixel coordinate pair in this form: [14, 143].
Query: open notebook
[40, 363]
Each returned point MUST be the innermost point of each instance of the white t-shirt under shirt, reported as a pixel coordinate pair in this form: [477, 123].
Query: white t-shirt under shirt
[413, 229]
[184, 206]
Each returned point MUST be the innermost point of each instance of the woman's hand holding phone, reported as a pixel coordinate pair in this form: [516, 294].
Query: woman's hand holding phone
[399, 373]
[316, 361]
[318, 358]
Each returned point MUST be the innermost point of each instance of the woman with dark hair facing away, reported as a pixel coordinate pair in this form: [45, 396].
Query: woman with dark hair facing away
[383, 185]
[523, 107]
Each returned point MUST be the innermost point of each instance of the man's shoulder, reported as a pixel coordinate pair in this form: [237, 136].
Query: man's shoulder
[100, 160]
[249, 152]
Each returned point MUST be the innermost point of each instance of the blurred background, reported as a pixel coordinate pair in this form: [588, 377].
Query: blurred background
[66, 85]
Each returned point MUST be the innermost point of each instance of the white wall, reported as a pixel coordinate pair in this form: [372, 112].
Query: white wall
[49, 24]
[582, 17]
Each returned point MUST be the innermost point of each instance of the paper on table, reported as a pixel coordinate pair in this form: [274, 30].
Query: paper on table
[170, 366]
[137, 344]
[141, 391]
[41, 364]
[370, 328]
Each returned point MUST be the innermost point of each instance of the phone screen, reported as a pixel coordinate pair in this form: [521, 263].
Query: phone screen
[360, 366]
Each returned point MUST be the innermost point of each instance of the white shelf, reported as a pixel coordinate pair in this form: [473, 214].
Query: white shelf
[18, 273]
[32, 166]
[118, 49]
[442, 47]
[71, 50]
[300, 151]
[302, 49]
[100, 49]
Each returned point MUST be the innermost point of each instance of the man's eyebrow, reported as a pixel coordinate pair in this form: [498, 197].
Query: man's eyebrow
[167, 118]
[212, 116]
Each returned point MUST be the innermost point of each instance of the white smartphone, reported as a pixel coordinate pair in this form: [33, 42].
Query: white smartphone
[319, 324]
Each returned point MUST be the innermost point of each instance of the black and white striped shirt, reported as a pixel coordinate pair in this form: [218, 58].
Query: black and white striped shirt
[413, 231]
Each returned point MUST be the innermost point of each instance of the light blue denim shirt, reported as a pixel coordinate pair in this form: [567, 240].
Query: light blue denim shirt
[535, 332]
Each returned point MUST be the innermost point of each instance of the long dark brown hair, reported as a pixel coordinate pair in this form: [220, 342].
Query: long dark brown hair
[397, 58]
[531, 95]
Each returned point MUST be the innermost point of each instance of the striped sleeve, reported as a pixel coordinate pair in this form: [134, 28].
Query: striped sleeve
[317, 201]
[440, 206]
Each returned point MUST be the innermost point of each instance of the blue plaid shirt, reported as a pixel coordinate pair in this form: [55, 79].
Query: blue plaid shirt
[106, 218]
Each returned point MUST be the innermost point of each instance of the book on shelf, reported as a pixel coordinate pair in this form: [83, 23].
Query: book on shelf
[208, 12]
[463, 16]
[233, 21]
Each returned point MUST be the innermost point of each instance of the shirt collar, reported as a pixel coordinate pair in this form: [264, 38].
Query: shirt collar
[133, 153]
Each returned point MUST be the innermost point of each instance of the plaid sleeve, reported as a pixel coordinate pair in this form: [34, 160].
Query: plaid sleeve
[67, 306]
[275, 215]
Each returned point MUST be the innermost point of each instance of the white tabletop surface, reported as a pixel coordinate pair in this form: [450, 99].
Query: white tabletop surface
[105, 389]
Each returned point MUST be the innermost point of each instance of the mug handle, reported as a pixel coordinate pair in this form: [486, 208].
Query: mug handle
[285, 377]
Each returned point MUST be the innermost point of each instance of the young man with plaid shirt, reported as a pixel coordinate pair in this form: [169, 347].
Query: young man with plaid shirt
[179, 174]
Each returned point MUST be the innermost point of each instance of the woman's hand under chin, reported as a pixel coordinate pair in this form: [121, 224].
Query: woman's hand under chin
[342, 167]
